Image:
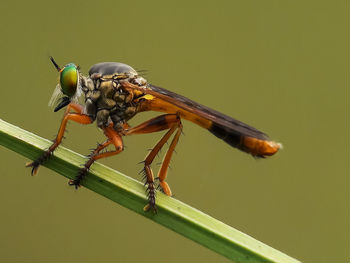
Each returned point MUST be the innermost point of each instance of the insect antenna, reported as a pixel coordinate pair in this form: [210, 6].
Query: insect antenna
[55, 64]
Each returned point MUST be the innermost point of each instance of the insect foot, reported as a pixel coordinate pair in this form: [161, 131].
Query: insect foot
[77, 180]
[151, 199]
[35, 167]
[35, 164]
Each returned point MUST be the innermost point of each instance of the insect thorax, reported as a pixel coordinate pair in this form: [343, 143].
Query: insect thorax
[107, 101]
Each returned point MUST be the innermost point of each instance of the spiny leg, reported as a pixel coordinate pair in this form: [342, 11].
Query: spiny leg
[166, 121]
[166, 161]
[148, 171]
[113, 138]
[82, 172]
[77, 117]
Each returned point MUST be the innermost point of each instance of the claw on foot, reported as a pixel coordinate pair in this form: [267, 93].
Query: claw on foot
[35, 164]
[148, 207]
[74, 183]
[35, 167]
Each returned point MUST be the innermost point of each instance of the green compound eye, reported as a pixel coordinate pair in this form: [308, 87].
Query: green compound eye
[69, 79]
[68, 88]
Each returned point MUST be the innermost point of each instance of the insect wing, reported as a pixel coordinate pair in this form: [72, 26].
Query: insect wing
[207, 113]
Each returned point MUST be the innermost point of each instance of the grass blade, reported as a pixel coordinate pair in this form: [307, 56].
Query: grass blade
[130, 193]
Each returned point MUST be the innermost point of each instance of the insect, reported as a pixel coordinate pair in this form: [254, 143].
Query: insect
[113, 93]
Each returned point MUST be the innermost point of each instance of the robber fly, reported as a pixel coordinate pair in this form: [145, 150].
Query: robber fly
[114, 93]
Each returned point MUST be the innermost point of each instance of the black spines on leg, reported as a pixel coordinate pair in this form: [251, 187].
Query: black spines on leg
[151, 194]
[36, 163]
[150, 190]
[143, 174]
[77, 180]
[83, 172]
[91, 154]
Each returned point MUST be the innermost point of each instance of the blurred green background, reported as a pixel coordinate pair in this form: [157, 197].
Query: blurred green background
[281, 66]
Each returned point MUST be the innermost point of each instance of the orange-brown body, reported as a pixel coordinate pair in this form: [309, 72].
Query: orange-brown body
[114, 93]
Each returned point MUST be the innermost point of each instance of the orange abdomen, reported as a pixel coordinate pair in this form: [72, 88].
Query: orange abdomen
[260, 148]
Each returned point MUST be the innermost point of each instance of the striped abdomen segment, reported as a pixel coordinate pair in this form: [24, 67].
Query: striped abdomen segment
[259, 146]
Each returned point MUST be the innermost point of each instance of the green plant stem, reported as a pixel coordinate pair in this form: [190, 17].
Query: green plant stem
[130, 193]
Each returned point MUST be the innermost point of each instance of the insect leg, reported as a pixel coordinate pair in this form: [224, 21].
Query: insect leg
[166, 121]
[73, 106]
[113, 138]
[165, 164]
[77, 117]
